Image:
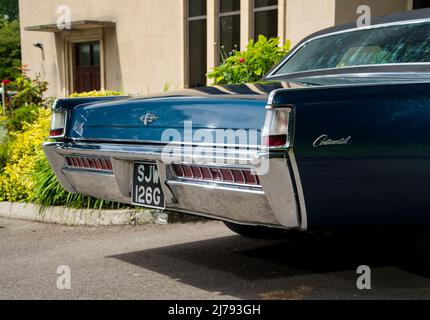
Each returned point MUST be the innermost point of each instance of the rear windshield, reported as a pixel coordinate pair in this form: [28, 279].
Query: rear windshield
[388, 45]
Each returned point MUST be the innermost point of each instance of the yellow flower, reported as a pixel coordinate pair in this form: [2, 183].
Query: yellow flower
[16, 180]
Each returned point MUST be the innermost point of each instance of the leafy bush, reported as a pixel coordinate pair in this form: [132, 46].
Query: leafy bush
[29, 91]
[105, 93]
[4, 151]
[26, 174]
[16, 180]
[252, 64]
[9, 8]
[10, 49]
[20, 117]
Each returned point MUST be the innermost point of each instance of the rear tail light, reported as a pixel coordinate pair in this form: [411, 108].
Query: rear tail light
[58, 124]
[220, 175]
[277, 128]
[87, 162]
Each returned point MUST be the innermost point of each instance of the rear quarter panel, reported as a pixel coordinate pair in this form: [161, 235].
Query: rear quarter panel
[380, 179]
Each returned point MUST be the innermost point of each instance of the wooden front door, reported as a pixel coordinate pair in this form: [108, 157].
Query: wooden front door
[87, 67]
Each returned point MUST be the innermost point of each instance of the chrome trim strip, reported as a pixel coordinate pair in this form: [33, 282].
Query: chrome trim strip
[375, 69]
[377, 26]
[279, 190]
[215, 183]
[171, 143]
[88, 171]
[299, 187]
[230, 157]
[216, 186]
[228, 166]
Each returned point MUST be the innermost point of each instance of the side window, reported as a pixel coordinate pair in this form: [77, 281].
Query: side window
[229, 27]
[266, 18]
[197, 43]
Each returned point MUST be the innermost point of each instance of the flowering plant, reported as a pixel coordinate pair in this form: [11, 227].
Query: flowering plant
[252, 64]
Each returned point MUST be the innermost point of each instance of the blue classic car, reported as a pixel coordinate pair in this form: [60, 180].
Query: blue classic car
[335, 137]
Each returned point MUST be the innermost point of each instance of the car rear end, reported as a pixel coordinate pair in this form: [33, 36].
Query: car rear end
[205, 156]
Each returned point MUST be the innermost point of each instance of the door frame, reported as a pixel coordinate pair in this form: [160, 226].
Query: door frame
[70, 58]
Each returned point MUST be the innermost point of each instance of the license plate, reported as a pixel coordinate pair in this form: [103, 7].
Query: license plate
[147, 190]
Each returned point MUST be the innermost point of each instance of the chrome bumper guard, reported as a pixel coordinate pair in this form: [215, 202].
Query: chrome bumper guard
[277, 203]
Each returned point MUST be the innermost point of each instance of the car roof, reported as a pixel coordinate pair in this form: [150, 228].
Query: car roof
[411, 15]
[391, 18]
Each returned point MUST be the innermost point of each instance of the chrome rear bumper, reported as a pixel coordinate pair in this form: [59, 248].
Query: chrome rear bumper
[278, 202]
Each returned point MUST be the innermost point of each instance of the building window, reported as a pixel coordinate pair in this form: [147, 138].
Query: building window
[229, 27]
[266, 18]
[419, 4]
[87, 67]
[197, 43]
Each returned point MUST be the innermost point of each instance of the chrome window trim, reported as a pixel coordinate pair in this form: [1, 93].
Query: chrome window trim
[376, 77]
[358, 70]
[273, 74]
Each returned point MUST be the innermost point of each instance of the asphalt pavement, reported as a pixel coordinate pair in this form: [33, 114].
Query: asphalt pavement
[194, 261]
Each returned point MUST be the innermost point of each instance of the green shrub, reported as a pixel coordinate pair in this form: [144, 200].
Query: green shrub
[29, 91]
[10, 48]
[21, 116]
[252, 64]
[4, 151]
[26, 174]
[16, 179]
[104, 93]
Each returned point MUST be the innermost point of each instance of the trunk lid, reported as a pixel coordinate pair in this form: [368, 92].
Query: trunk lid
[172, 116]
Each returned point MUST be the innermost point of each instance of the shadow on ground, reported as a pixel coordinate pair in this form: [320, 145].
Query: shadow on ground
[314, 267]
